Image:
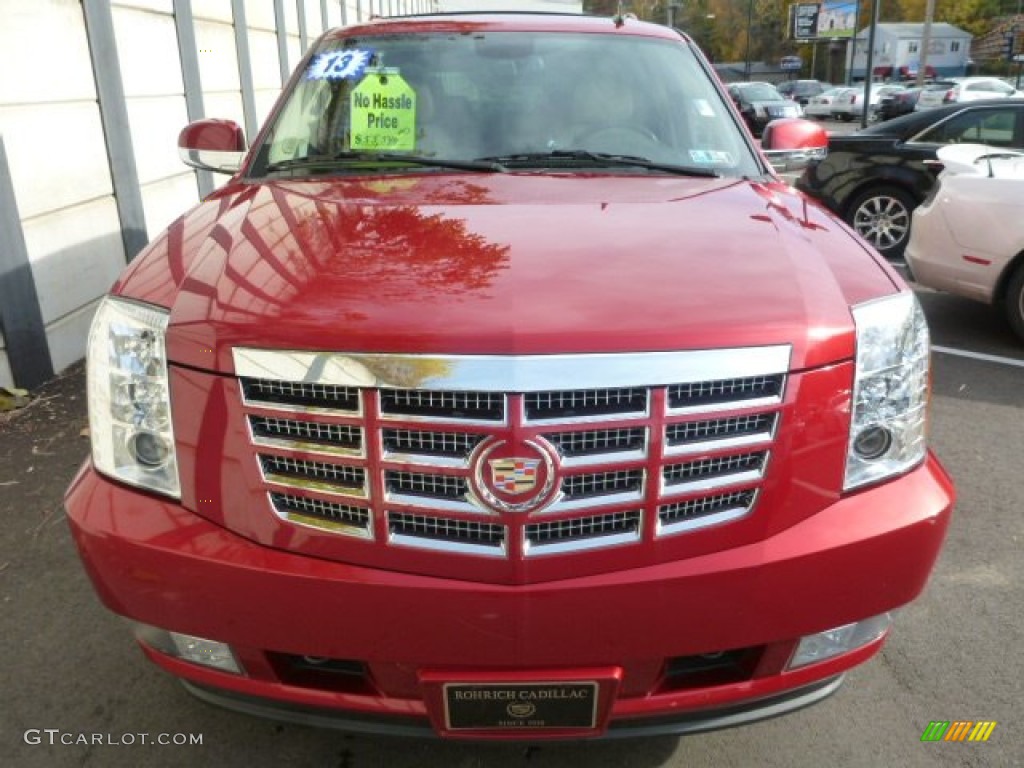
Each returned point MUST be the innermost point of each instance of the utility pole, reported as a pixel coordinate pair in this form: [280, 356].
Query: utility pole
[750, 21]
[868, 73]
[926, 41]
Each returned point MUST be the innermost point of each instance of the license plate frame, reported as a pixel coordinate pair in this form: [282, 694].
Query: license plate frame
[558, 705]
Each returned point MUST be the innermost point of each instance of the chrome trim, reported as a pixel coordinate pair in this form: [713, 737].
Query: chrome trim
[583, 543]
[753, 439]
[512, 373]
[706, 521]
[567, 505]
[732, 405]
[437, 504]
[310, 521]
[317, 486]
[446, 545]
[424, 460]
[598, 460]
[270, 405]
[325, 449]
[715, 483]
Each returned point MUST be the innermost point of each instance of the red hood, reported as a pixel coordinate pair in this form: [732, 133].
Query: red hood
[509, 264]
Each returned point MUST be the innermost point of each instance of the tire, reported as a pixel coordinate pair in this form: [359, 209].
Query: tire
[881, 215]
[1014, 303]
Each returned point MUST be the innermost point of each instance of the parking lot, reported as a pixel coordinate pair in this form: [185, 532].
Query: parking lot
[72, 672]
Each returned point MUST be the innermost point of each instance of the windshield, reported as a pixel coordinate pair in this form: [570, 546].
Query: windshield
[503, 96]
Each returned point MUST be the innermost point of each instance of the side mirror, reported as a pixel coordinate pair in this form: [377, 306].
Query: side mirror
[212, 145]
[792, 143]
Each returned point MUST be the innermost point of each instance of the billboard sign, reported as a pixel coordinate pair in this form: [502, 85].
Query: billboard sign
[837, 18]
[803, 21]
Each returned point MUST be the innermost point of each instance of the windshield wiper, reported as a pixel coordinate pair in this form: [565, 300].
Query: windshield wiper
[600, 159]
[342, 158]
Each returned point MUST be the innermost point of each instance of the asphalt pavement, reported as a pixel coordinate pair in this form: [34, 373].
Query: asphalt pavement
[77, 691]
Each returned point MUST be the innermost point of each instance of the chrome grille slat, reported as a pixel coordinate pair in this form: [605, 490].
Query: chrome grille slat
[725, 392]
[598, 441]
[429, 443]
[316, 513]
[315, 475]
[585, 404]
[274, 393]
[704, 511]
[716, 472]
[453, 406]
[448, 487]
[446, 534]
[306, 435]
[578, 534]
[728, 432]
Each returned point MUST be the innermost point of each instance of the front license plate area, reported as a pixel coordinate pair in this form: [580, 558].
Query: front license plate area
[532, 706]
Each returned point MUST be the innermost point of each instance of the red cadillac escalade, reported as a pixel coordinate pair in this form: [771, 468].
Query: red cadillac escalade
[505, 391]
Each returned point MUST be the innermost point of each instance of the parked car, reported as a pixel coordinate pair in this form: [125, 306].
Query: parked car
[504, 391]
[760, 103]
[820, 106]
[897, 103]
[874, 178]
[850, 105]
[962, 89]
[801, 91]
[968, 235]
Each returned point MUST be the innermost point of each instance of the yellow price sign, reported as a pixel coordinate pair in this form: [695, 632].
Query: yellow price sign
[383, 113]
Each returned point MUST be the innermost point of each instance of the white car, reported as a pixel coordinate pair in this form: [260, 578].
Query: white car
[967, 89]
[850, 105]
[820, 106]
[967, 237]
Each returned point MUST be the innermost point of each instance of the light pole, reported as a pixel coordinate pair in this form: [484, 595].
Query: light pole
[750, 20]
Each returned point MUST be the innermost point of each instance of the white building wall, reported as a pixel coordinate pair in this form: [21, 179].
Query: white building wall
[53, 137]
[52, 130]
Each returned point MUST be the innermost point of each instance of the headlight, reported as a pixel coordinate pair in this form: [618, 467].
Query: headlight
[129, 401]
[890, 390]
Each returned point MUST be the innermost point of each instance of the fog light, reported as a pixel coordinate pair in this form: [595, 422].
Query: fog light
[209, 653]
[834, 642]
[149, 449]
[198, 650]
[872, 442]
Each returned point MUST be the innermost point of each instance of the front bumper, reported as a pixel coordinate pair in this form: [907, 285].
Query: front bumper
[870, 552]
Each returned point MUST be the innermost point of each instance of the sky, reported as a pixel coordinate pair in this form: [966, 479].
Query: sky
[570, 6]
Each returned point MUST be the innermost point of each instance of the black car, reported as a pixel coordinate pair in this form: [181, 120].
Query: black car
[802, 91]
[760, 103]
[874, 178]
[897, 104]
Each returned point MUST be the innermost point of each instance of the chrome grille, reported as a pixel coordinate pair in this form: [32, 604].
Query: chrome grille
[291, 433]
[714, 472]
[456, 406]
[428, 485]
[300, 394]
[597, 441]
[414, 441]
[318, 475]
[582, 533]
[446, 534]
[732, 391]
[639, 454]
[584, 403]
[601, 483]
[704, 511]
[338, 518]
[715, 434]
